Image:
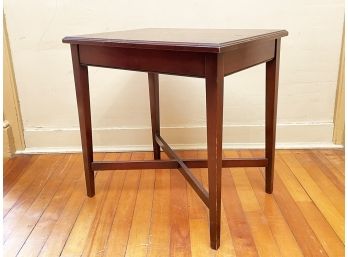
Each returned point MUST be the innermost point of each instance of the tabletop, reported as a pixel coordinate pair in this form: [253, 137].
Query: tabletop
[196, 40]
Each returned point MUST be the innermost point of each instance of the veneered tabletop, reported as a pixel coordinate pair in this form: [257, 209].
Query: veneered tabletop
[194, 40]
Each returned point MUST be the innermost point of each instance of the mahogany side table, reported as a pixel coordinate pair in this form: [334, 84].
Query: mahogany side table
[211, 54]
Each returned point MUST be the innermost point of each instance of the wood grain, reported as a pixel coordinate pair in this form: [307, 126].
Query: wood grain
[156, 213]
[240, 231]
[85, 224]
[198, 216]
[138, 240]
[330, 171]
[332, 215]
[260, 229]
[24, 226]
[62, 228]
[302, 231]
[160, 219]
[16, 196]
[50, 216]
[333, 160]
[99, 235]
[123, 217]
[28, 196]
[335, 195]
[322, 229]
[281, 231]
[14, 168]
[180, 242]
[194, 40]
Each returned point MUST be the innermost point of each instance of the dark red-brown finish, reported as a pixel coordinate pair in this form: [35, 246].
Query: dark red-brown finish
[211, 54]
[155, 112]
[190, 40]
[196, 185]
[272, 74]
[253, 53]
[214, 69]
[173, 164]
[84, 110]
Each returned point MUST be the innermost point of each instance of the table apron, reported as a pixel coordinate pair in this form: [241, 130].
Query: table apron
[148, 60]
[175, 62]
[249, 55]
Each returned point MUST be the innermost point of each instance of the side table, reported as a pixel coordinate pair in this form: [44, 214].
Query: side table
[211, 54]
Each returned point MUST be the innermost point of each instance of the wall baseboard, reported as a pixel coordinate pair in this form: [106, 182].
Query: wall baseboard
[139, 148]
[289, 136]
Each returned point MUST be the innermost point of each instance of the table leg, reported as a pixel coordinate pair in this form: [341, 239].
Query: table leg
[155, 114]
[214, 106]
[272, 74]
[84, 110]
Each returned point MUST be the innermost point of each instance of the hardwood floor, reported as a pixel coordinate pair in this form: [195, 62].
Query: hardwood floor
[156, 213]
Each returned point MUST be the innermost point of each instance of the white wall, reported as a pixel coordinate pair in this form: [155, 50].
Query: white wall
[120, 107]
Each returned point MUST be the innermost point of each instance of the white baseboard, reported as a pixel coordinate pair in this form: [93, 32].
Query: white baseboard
[289, 136]
[139, 148]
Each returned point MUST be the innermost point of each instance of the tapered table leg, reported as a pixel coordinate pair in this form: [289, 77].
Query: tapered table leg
[155, 114]
[84, 110]
[272, 74]
[214, 106]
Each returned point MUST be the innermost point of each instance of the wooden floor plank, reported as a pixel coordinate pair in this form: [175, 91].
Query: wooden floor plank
[303, 233]
[46, 223]
[97, 238]
[332, 215]
[180, 244]
[119, 233]
[8, 163]
[90, 209]
[280, 229]
[24, 226]
[16, 196]
[336, 176]
[340, 153]
[198, 216]
[16, 168]
[324, 232]
[160, 219]
[29, 194]
[260, 229]
[156, 213]
[327, 187]
[60, 232]
[243, 241]
[295, 189]
[138, 240]
[11, 164]
[333, 159]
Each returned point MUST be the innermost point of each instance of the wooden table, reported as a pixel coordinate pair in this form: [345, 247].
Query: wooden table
[211, 54]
